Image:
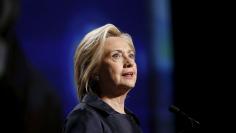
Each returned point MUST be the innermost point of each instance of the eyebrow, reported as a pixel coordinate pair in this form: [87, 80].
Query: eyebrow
[120, 51]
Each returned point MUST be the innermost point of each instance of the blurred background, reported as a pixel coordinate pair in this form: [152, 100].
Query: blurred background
[37, 44]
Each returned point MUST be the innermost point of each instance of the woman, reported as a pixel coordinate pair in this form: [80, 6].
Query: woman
[105, 71]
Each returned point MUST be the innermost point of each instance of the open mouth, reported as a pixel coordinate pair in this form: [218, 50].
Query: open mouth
[128, 74]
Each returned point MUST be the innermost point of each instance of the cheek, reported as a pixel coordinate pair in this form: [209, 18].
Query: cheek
[111, 71]
[135, 69]
[115, 71]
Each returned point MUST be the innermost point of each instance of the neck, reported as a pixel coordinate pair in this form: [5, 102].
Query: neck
[117, 103]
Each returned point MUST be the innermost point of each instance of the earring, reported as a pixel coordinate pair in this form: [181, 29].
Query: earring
[96, 77]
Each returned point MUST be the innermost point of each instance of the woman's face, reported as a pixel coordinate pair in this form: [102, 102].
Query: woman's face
[118, 71]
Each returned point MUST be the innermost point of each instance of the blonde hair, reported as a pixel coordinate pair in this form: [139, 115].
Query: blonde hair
[88, 56]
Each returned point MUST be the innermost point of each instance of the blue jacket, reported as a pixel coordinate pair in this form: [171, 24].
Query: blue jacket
[93, 115]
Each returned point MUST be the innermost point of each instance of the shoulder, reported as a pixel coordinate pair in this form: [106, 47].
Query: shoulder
[80, 110]
[81, 119]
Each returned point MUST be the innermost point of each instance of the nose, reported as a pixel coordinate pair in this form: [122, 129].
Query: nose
[128, 63]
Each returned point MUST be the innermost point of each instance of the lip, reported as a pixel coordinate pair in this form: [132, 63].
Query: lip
[129, 74]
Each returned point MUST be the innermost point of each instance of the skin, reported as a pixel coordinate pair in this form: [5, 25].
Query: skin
[118, 72]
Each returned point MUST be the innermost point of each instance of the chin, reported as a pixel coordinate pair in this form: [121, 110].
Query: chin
[128, 85]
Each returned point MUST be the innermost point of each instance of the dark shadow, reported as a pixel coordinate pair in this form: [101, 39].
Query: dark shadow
[29, 104]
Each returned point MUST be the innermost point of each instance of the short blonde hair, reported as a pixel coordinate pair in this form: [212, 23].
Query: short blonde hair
[88, 56]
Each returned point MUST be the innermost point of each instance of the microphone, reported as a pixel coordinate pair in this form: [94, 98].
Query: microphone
[194, 123]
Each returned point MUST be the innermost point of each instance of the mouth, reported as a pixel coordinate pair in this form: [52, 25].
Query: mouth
[128, 74]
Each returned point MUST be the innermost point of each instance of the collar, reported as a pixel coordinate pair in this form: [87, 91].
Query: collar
[96, 102]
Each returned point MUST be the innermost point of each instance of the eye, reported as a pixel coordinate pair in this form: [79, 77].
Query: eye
[116, 55]
[132, 56]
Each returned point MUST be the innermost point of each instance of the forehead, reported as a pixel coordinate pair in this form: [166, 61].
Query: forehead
[113, 43]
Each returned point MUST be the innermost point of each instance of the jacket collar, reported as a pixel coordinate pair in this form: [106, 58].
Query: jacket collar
[96, 102]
